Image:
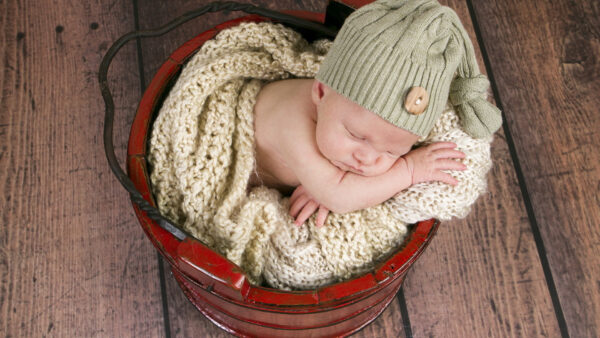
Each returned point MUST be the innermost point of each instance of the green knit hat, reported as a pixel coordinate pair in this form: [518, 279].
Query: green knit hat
[391, 52]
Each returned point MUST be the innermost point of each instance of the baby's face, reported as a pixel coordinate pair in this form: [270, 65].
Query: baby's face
[355, 139]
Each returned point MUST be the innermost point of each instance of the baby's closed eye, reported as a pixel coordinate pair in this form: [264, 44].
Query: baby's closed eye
[356, 136]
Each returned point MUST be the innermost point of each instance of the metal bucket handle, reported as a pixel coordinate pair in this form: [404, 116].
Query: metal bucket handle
[135, 195]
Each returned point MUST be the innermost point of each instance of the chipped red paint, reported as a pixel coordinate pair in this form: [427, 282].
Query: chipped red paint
[219, 288]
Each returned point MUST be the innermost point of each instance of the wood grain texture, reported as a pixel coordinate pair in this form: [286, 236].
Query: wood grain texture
[183, 317]
[73, 261]
[550, 98]
[481, 277]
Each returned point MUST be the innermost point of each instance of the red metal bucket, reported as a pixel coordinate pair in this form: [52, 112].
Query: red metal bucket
[220, 290]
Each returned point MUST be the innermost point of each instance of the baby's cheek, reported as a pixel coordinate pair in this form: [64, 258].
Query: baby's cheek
[325, 145]
[387, 163]
[330, 141]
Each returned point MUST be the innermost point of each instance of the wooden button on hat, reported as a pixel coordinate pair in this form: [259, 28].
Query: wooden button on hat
[416, 100]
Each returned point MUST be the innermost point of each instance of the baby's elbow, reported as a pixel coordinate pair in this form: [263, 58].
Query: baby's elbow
[338, 200]
[329, 195]
[339, 209]
[337, 206]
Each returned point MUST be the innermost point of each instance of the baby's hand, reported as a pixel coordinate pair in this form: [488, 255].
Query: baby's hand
[302, 206]
[426, 163]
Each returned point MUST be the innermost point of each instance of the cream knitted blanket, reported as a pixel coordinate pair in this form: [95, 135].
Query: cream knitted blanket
[202, 156]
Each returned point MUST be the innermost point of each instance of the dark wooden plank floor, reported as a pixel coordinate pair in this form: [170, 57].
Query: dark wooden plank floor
[74, 261]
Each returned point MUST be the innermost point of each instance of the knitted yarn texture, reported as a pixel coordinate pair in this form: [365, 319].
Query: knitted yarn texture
[202, 155]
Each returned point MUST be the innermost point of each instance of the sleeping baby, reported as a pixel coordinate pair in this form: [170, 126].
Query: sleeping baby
[338, 126]
[344, 140]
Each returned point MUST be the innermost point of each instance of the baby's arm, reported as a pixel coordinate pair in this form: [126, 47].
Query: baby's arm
[354, 192]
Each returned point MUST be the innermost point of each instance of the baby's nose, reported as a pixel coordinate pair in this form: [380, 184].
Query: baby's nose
[365, 157]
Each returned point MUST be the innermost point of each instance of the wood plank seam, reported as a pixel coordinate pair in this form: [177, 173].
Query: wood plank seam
[404, 311]
[161, 268]
[562, 323]
[163, 293]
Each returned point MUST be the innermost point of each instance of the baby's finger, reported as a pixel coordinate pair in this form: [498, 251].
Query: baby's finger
[299, 191]
[298, 204]
[442, 145]
[306, 212]
[449, 153]
[448, 164]
[446, 178]
[321, 216]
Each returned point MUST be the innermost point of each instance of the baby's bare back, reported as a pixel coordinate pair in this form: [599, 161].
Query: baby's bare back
[283, 116]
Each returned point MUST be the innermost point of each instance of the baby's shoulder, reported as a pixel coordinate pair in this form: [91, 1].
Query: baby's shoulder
[292, 96]
[284, 106]
[284, 132]
[285, 117]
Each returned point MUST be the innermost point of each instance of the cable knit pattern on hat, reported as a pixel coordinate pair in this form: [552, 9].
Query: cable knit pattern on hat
[202, 156]
[386, 48]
